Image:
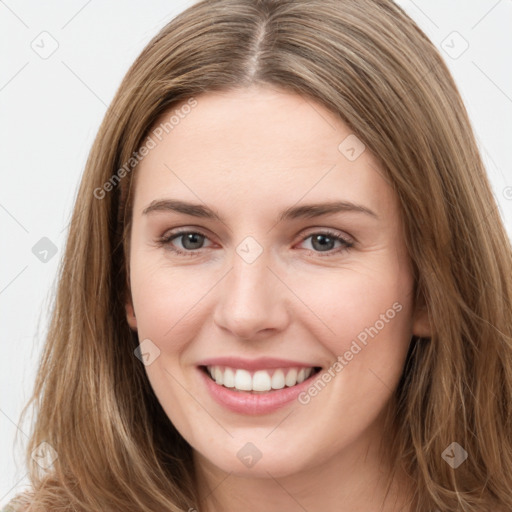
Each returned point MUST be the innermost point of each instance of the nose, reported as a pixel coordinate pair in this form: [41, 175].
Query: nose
[253, 301]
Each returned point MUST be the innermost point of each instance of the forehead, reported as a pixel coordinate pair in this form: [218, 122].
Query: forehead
[261, 146]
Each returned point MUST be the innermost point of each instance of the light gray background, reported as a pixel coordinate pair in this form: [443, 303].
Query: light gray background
[51, 108]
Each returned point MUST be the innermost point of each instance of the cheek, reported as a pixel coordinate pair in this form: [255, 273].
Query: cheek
[167, 302]
[366, 326]
[165, 299]
[350, 303]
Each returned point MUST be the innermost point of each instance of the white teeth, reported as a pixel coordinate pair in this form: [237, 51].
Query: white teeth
[218, 375]
[259, 381]
[228, 379]
[291, 377]
[278, 379]
[303, 374]
[243, 380]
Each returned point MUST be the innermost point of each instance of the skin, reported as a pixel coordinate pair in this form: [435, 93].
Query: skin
[249, 154]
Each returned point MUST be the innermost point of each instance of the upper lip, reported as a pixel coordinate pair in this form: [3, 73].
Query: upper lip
[261, 363]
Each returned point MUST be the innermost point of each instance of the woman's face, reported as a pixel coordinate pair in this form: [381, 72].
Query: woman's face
[266, 244]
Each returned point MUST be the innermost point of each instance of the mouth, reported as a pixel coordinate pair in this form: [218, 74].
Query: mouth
[263, 381]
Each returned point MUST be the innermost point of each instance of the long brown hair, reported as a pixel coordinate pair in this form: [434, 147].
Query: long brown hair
[368, 62]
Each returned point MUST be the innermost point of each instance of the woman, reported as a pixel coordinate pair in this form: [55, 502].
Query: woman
[286, 285]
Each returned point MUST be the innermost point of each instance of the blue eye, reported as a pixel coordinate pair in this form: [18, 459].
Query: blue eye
[325, 241]
[192, 241]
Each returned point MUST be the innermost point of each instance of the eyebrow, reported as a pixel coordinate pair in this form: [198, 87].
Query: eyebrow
[294, 212]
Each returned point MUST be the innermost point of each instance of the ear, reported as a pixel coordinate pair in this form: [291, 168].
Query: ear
[130, 315]
[421, 321]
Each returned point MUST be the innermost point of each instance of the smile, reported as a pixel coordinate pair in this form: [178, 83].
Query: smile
[259, 381]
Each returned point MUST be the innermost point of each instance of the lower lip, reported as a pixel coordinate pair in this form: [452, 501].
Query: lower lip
[254, 404]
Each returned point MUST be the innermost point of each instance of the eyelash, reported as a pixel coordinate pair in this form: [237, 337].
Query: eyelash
[166, 239]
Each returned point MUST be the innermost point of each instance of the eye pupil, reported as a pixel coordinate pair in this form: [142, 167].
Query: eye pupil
[321, 239]
[194, 238]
